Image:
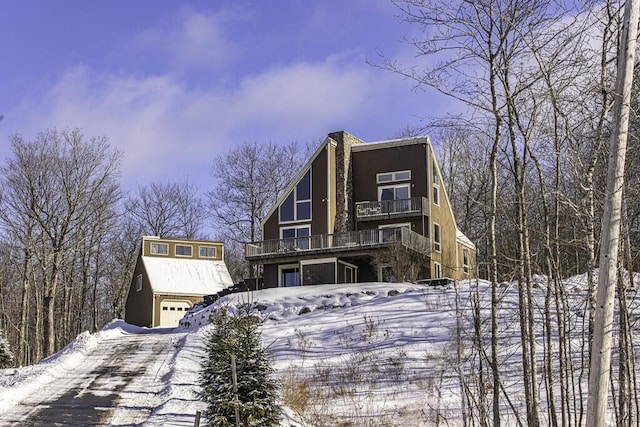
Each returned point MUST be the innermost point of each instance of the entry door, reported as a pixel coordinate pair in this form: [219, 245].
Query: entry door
[290, 276]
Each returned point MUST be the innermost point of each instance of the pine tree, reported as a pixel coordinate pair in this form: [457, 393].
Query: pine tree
[6, 357]
[238, 335]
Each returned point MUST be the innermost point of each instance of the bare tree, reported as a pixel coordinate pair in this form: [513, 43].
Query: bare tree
[249, 179]
[172, 209]
[599, 373]
[55, 183]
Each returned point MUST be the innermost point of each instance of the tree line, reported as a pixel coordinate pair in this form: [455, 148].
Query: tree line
[525, 166]
[70, 233]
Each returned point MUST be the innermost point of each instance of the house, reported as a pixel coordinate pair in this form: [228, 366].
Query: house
[170, 276]
[355, 210]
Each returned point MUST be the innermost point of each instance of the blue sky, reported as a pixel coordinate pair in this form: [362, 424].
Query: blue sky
[173, 84]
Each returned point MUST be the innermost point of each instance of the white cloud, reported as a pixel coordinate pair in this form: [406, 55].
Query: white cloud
[192, 39]
[168, 130]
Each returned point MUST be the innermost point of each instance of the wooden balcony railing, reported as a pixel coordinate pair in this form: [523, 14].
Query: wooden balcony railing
[372, 210]
[352, 240]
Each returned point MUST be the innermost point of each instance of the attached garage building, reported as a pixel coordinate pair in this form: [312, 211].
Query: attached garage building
[171, 275]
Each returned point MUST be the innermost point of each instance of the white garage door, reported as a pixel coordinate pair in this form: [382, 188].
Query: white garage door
[172, 311]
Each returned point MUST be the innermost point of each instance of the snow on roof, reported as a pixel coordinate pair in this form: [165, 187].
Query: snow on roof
[464, 239]
[186, 276]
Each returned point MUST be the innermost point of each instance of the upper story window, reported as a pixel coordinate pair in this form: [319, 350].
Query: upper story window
[436, 237]
[159, 248]
[297, 205]
[383, 178]
[394, 192]
[207, 252]
[138, 282]
[184, 250]
[436, 185]
[437, 271]
[465, 261]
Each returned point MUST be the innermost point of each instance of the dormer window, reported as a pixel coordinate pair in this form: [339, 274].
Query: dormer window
[297, 205]
[159, 249]
[184, 250]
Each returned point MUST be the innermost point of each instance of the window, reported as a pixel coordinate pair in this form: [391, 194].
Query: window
[138, 282]
[436, 185]
[436, 237]
[207, 252]
[159, 248]
[437, 270]
[391, 232]
[297, 205]
[465, 261]
[383, 178]
[184, 250]
[394, 192]
[296, 237]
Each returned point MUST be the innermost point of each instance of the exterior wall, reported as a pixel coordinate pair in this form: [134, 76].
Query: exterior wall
[449, 257]
[270, 276]
[367, 163]
[195, 244]
[138, 308]
[159, 298]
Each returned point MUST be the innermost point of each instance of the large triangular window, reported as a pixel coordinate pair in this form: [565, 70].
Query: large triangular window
[297, 205]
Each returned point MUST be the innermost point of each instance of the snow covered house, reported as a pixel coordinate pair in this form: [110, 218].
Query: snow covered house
[353, 204]
[171, 275]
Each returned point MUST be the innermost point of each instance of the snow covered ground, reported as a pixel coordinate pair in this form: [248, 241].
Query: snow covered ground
[375, 354]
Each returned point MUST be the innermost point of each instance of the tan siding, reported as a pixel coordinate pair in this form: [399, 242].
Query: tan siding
[172, 243]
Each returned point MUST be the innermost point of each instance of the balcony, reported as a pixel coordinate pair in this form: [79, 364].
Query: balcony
[352, 241]
[384, 209]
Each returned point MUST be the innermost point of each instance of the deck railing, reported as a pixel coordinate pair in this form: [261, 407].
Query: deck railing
[352, 240]
[387, 208]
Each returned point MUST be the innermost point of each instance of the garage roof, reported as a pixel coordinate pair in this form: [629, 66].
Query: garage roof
[186, 276]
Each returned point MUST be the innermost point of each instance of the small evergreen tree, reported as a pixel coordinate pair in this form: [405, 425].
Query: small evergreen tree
[6, 357]
[257, 403]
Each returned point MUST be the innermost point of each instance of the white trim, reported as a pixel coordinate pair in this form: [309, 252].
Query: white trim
[377, 145]
[317, 261]
[403, 224]
[433, 238]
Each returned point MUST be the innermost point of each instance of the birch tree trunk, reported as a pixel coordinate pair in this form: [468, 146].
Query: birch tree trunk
[599, 373]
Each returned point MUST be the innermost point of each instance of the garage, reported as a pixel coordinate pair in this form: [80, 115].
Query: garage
[171, 311]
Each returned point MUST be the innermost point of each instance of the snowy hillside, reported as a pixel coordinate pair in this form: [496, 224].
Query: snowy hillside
[368, 354]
